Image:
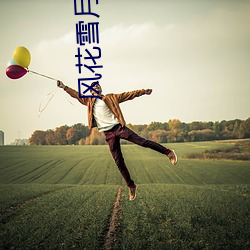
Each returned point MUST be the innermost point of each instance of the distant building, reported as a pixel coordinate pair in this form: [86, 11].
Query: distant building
[1, 138]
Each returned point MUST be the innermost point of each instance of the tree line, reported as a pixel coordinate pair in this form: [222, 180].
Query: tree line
[172, 131]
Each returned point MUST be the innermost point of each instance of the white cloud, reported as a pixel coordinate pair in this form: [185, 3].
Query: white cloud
[126, 33]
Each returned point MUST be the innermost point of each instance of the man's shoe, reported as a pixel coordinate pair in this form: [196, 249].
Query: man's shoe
[172, 157]
[132, 193]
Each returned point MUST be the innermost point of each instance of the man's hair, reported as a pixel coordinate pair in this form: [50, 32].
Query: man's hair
[93, 83]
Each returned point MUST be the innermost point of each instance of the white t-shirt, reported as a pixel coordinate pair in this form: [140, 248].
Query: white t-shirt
[105, 119]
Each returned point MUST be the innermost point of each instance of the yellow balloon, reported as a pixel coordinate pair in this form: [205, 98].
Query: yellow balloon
[22, 56]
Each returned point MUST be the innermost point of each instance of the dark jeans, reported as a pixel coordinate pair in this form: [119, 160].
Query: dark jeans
[113, 137]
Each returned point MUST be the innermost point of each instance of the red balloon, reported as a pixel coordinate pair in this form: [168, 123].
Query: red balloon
[15, 71]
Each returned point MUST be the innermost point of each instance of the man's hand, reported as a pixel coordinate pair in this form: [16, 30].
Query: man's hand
[60, 84]
[148, 91]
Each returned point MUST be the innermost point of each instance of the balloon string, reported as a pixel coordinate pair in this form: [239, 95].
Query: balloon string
[31, 71]
[50, 96]
[71, 103]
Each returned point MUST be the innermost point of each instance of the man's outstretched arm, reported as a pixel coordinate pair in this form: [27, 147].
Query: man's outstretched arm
[73, 93]
[132, 94]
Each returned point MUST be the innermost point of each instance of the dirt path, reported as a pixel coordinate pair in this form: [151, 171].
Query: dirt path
[111, 235]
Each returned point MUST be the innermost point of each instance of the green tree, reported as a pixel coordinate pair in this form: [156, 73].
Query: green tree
[157, 125]
[236, 129]
[175, 133]
[244, 130]
[217, 129]
[202, 135]
[196, 126]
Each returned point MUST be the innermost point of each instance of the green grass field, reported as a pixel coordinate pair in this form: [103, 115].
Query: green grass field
[62, 197]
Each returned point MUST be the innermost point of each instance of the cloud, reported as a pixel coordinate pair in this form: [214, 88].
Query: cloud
[121, 45]
[118, 42]
[126, 33]
[59, 47]
[204, 44]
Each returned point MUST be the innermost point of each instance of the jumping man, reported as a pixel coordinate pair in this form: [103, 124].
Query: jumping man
[106, 115]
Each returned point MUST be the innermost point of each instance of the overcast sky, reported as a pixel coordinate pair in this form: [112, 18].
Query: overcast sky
[195, 55]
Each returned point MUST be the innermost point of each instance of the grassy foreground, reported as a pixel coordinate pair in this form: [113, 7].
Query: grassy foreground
[65, 217]
[187, 217]
[61, 197]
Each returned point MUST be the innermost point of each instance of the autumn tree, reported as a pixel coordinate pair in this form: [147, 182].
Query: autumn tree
[95, 137]
[38, 138]
[50, 137]
[77, 133]
[159, 135]
[60, 133]
[172, 131]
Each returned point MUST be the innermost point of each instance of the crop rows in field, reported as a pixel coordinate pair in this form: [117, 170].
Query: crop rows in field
[187, 217]
[94, 165]
[164, 216]
[62, 218]
[57, 165]
[63, 197]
